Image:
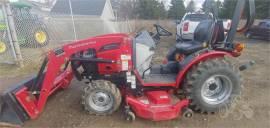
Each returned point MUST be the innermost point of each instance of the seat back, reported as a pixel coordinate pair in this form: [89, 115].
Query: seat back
[204, 30]
[218, 35]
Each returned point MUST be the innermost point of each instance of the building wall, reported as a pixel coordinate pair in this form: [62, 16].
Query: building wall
[61, 28]
[108, 11]
[109, 19]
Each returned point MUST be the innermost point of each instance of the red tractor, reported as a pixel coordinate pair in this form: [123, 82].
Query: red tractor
[117, 69]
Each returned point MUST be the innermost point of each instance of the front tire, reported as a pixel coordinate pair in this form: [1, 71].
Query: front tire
[212, 85]
[101, 98]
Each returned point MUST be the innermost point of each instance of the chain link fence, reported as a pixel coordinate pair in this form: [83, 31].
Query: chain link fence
[7, 54]
[39, 31]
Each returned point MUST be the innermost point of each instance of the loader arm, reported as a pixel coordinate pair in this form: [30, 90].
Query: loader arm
[27, 100]
[239, 9]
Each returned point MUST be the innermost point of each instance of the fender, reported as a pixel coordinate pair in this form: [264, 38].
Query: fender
[202, 57]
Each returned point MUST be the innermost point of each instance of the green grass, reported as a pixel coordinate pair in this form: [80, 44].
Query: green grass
[7, 70]
[32, 60]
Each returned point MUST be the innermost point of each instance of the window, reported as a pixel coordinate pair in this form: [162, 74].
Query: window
[197, 17]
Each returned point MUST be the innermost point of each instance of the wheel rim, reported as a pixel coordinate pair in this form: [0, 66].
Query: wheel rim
[3, 47]
[100, 101]
[216, 89]
[40, 37]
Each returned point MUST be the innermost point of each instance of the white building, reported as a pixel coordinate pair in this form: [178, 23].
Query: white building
[90, 18]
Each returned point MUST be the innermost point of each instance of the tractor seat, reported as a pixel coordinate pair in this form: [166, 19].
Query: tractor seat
[189, 47]
[202, 34]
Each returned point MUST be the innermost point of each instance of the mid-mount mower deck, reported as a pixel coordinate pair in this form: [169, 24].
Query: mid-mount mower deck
[117, 69]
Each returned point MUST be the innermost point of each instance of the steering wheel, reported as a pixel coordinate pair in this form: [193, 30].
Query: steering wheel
[162, 31]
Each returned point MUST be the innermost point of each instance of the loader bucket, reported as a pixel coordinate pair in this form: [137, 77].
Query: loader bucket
[11, 111]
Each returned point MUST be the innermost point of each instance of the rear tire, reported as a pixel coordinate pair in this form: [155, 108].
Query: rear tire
[101, 98]
[212, 85]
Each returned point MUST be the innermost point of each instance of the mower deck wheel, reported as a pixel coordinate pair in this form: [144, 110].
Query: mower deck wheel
[130, 116]
[187, 113]
[101, 97]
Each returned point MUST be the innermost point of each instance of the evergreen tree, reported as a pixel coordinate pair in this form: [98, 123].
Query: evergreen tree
[262, 9]
[208, 4]
[212, 5]
[191, 6]
[162, 11]
[150, 9]
[126, 9]
[228, 8]
[219, 4]
[177, 9]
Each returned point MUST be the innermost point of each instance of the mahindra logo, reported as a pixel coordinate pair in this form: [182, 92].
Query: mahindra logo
[81, 45]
